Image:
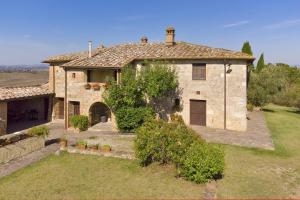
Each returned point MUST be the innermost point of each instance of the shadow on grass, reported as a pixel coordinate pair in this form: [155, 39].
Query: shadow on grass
[52, 141]
[294, 111]
[267, 110]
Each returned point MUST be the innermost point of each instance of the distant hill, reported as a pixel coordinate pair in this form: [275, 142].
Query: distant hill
[23, 68]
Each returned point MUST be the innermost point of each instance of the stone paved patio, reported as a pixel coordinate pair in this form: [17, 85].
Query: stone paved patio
[257, 134]
[56, 131]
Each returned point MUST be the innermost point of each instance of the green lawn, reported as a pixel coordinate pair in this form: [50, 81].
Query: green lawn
[252, 173]
[75, 176]
[249, 173]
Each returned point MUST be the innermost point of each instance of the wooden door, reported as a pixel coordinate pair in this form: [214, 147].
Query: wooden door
[60, 111]
[198, 112]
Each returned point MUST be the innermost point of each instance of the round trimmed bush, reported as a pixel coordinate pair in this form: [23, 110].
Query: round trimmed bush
[80, 121]
[129, 118]
[163, 142]
[203, 162]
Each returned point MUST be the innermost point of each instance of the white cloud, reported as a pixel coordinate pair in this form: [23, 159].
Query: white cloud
[284, 24]
[240, 23]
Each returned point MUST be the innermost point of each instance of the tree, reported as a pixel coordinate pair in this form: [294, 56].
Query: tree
[129, 93]
[261, 63]
[159, 79]
[139, 92]
[247, 48]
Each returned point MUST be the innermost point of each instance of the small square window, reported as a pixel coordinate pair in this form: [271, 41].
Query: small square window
[177, 102]
[199, 71]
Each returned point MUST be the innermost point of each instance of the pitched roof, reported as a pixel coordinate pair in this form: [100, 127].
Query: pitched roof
[72, 56]
[14, 93]
[123, 54]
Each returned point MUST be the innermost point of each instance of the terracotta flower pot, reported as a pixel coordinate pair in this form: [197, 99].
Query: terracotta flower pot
[87, 86]
[94, 148]
[106, 148]
[81, 146]
[96, 87]
[63, 143]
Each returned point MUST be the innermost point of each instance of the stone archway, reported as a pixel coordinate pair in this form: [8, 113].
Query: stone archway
[99, 112]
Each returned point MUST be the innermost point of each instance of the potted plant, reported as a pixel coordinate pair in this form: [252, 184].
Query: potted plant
[93, 147]
[103, 119]
[105, 85]
[106, 148]
[87, 86]
[96, 87]
[63, 142]
[81, 144]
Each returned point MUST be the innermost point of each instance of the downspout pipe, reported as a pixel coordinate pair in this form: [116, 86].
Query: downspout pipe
[66, 100]
[225, 84]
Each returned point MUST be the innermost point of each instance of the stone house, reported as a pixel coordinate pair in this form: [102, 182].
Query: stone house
[213, 80]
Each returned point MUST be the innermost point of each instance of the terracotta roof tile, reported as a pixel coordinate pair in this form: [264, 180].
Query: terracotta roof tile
[12, 93]
[120, 55]
[72, 56]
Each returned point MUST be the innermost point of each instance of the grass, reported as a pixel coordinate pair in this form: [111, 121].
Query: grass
[253, 173]
[12, 79]
[249, 173]
[75, 176]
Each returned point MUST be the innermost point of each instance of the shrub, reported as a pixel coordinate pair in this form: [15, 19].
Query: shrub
[163, 142]
[250, 107]
[106, 147]
[39, 131]
[80, 121]
[81, 144]
[202, 162]
[176, 118]
[159, 141]
[129, 119]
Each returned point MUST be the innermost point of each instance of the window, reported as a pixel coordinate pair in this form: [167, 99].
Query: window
[100, 76]
[73, 75]
[177, 102]
[74, 108]
[199, 71]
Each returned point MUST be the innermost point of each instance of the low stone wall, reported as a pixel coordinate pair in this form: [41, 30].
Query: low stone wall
[20, 148]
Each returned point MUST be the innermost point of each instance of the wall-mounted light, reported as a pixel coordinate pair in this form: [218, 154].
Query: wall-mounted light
[229, 70]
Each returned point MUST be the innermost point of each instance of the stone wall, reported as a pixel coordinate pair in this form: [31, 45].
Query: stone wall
[59, 81]
[3, 118]
[21, 148]
[212, 91]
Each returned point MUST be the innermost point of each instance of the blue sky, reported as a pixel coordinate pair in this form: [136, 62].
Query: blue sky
[31, 30]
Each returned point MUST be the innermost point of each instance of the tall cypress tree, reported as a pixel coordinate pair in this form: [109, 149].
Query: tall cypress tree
[261, 63]
[247, 48]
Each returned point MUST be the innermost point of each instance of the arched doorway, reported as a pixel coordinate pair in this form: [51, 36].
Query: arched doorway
[99, 112]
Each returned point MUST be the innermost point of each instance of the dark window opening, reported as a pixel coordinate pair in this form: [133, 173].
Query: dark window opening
[199, 71]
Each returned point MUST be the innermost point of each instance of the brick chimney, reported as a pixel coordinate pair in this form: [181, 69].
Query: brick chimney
[170, 38]
[144, 40]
